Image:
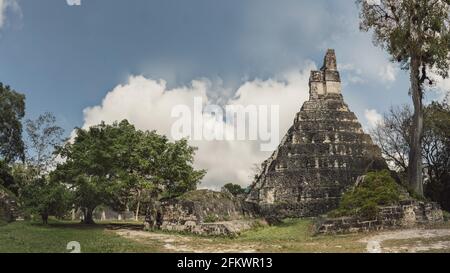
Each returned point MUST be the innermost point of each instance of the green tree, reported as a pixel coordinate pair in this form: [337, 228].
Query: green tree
[436, 153]
[6, 177]
[43, 137]
[114, 164]
[39, 194]
[46, 198]
[234, 189]
[416, 34]
[12, 110]
[176, 173]
[393, 136]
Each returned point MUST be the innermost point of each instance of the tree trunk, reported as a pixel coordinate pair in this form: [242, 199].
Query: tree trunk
[415, 154]
[44, 217]
[88, 216]
[138, 205]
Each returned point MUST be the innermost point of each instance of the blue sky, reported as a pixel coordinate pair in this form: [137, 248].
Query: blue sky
[67, 58]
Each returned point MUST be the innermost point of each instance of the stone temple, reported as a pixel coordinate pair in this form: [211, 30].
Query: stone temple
[322, 154]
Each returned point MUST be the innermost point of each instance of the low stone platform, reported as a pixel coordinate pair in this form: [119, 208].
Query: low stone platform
[406, 214]
[227, 228]
[203, 212]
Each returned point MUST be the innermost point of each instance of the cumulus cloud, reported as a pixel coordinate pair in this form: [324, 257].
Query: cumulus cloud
[352, 74]
[73, 2]
[388, 73]
[442, 87]
[148, 103]
[373, 117]
[5, 6]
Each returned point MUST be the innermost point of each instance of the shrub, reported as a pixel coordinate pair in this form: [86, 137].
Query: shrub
[234, 189]
[210, 218]
[446, 216]
[377, 189]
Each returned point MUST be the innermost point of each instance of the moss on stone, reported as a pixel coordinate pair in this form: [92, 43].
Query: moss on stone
[377, 189]
[203, 195]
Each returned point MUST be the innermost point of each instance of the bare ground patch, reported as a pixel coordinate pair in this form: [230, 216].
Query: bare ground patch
[410, 240]
[183, 243]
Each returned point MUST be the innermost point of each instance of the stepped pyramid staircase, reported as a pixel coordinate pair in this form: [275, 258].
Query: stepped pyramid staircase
[322, 154]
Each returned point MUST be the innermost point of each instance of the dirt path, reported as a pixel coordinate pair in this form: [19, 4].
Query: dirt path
[415, 240]
[411, 240]
[180, 243]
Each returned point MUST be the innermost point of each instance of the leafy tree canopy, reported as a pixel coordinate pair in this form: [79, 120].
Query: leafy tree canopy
[234, 189]
[106, 163]
[416, 33]
[12, 110]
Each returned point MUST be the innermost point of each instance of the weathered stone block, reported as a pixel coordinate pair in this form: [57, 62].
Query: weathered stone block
[408, 214]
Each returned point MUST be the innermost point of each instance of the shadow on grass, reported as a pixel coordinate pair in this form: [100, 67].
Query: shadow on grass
[53, 223]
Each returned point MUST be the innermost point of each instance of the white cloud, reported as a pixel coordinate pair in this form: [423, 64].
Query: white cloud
[5, 6]
[352, 74]
[442, 86]
[388, 72]
[148, 103]
[373, 117]
[73, 2]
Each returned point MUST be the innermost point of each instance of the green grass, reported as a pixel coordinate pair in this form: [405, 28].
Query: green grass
[293, 235]
[290, 236]
[33, 237]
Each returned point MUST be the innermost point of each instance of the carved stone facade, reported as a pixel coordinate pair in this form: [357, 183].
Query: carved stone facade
[321, 155]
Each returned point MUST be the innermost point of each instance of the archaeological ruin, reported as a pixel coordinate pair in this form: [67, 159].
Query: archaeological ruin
[202, 212]
[322, 154]
[8, 206]
[405, 214]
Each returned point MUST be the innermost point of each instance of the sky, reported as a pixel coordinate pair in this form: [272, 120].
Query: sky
[93, 60]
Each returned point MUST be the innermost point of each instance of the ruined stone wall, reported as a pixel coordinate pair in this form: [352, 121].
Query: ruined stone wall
[203, 212]
[407, 214]
[8, 207]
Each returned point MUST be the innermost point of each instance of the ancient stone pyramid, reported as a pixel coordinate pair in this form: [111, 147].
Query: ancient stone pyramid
[321, 156]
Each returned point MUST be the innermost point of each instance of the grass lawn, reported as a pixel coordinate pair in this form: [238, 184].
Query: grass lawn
[294, 235]
[27, 237]
[290, 236]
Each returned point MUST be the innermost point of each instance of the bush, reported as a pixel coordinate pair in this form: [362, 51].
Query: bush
[446, 216]
[210, 218]
[234, 189]
[377, 189]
